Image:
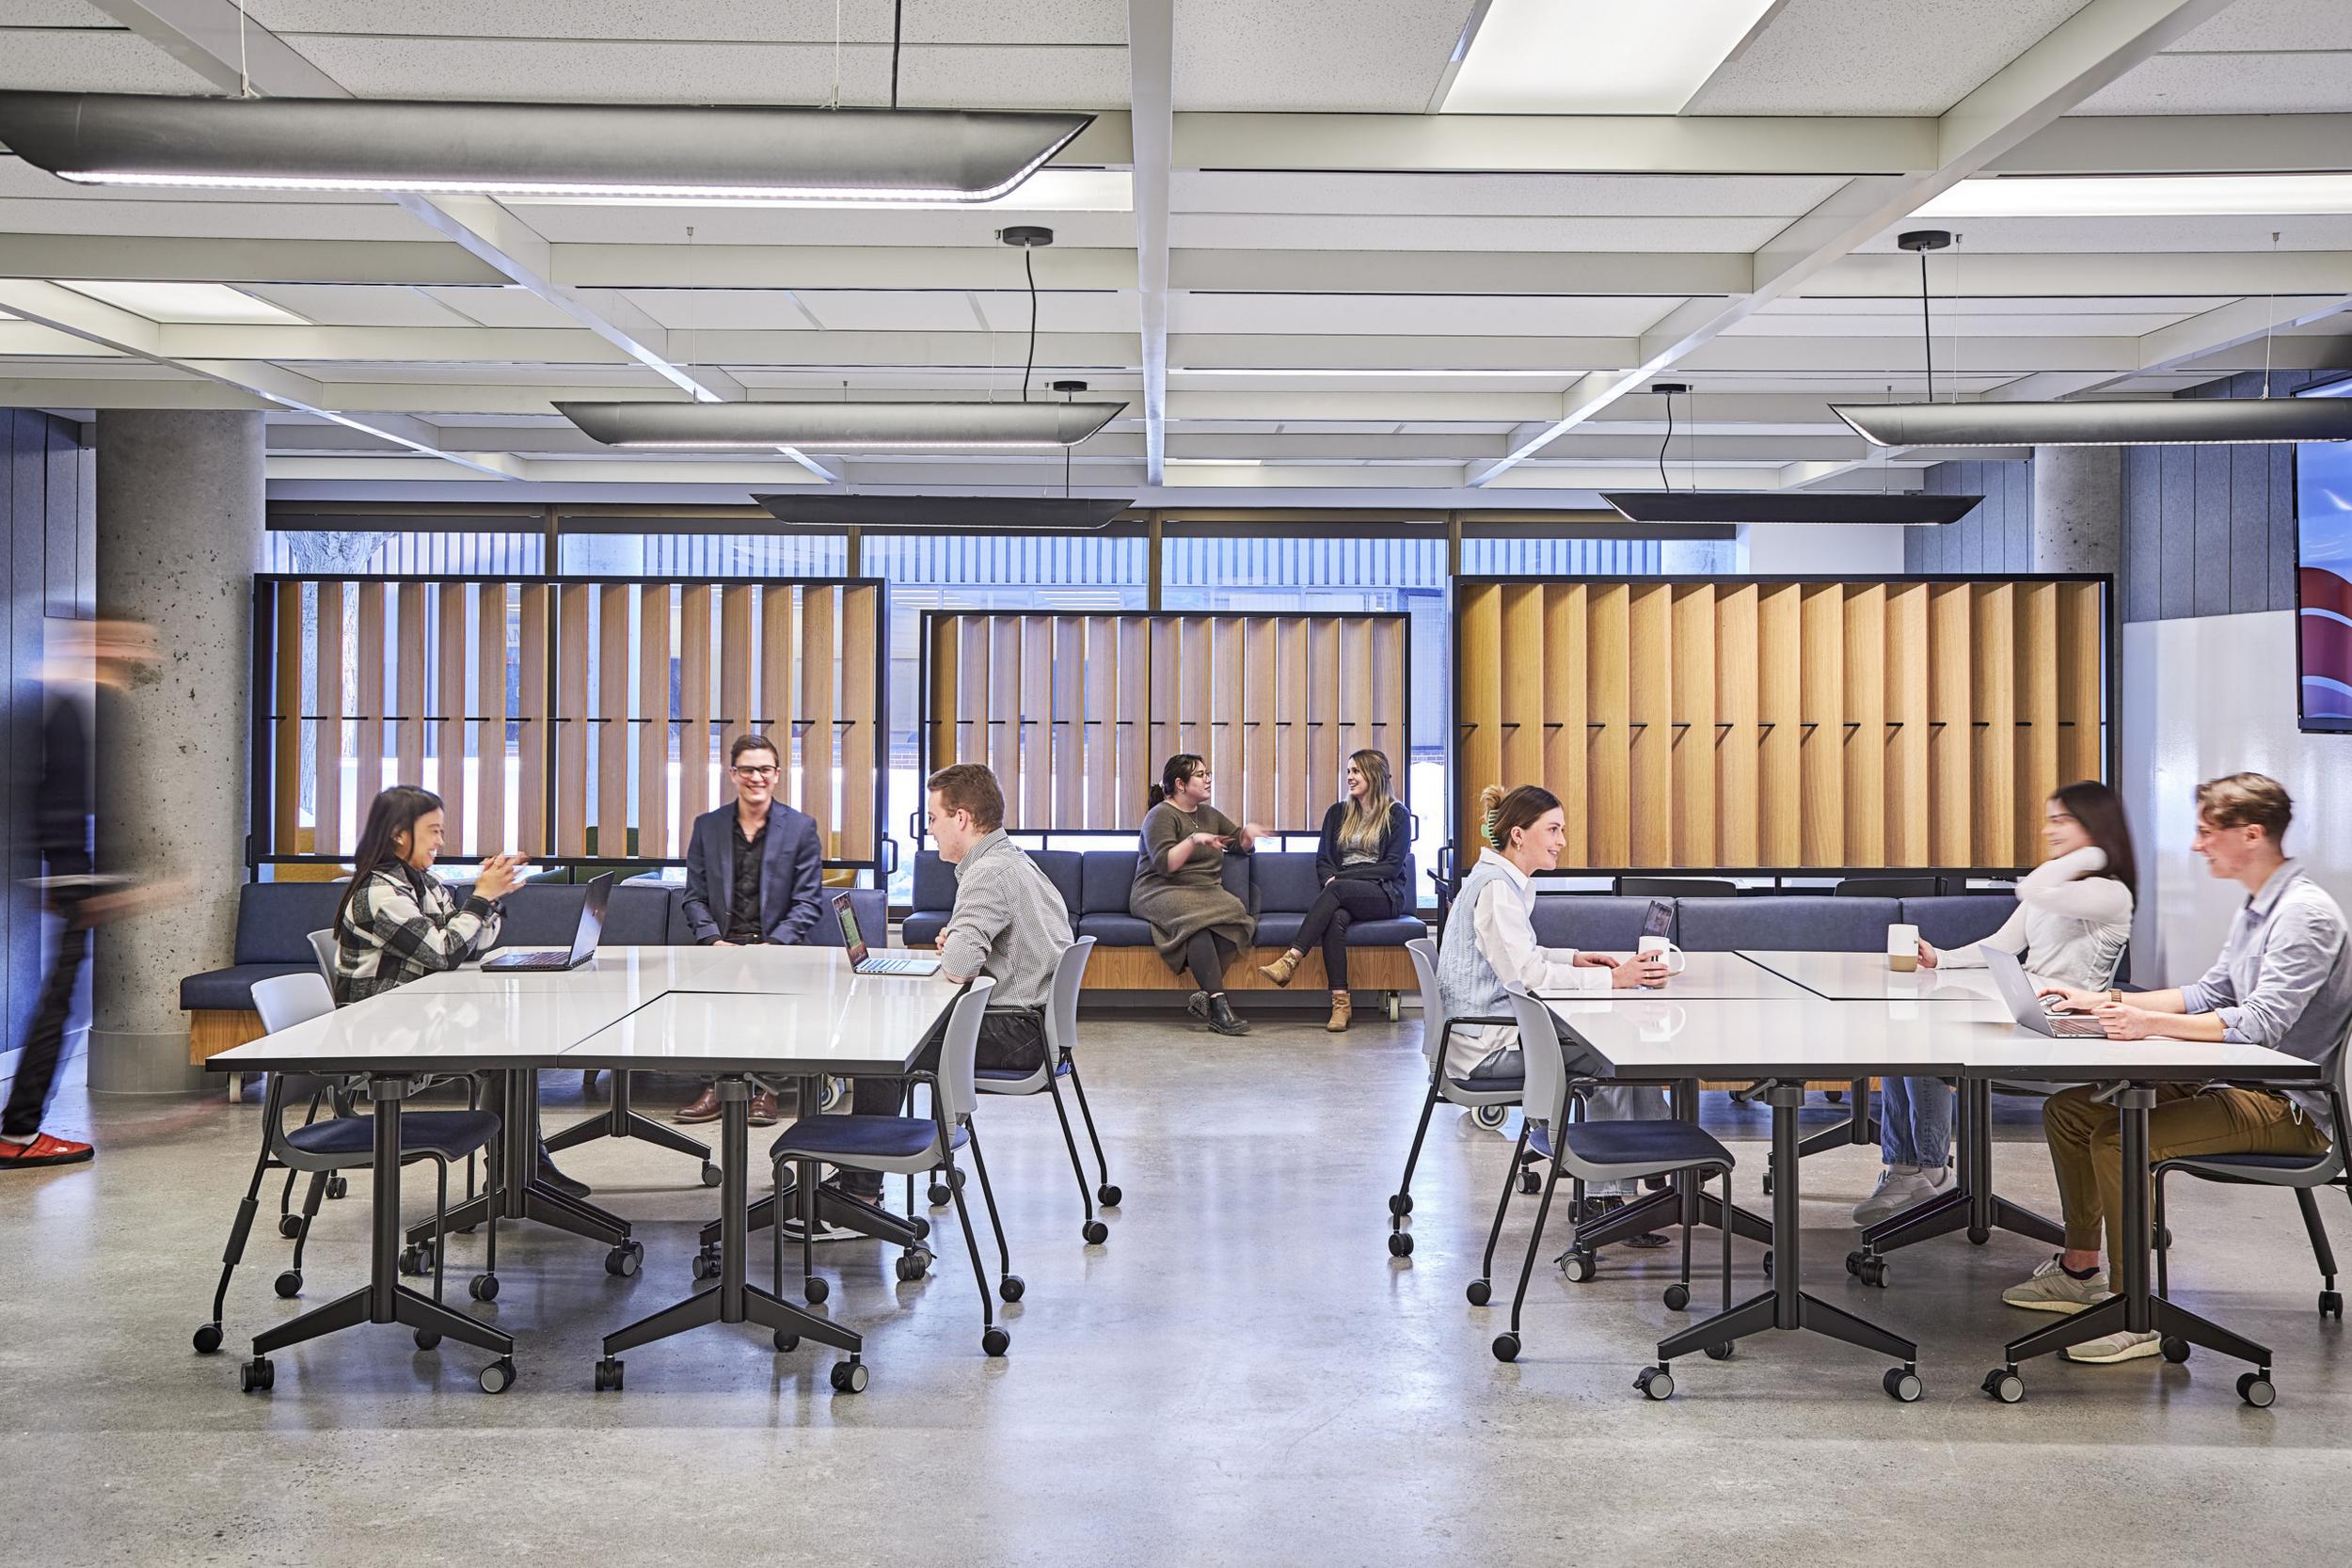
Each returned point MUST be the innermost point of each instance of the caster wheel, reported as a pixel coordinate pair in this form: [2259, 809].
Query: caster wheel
[710, 1178]
[1399, 1204]
[1901, 1384]
[208, 1339]
[914, 1263]
[289, 1226]
[622, 1260]
[1854, 1263]
[1530, 1183]
[1506, 1347]
[816, 1290]
[483, 1287]
[922, 1229]
[416, 1262]
[2332, 1304]
[2004, 1386]
[706, 1266]
[1836, 1097]
[1490, 1117]
[787, 1342]
[1655, 1382]
[849, 1377]
[1872, 1271]
[257, 1376]
[1109, 1196]
[830, 1093]
[427, 1339]
[2175, 1348]
[938, 1196]
[2163, 1239]
[1718, 1352]
[1767, 1184]
[1979, 1235]
[1768, 1265]
[609, 1375]
[338, 1186]
[1096, 1232]
[499, 1376]
[2255, 1390]
[1010, 1287]
[1400, 1244]
[289, 1284]
[1579, 1267]
[996, 1342]
[1678, 1297]
[1480, 1292]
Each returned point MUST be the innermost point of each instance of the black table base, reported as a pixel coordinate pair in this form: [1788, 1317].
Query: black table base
[622, 1119]
[516, 1192]
[1686, 1201]
[1972, 1205]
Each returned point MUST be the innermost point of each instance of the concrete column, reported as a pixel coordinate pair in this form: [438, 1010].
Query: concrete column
[179, 520]
[2078, 509]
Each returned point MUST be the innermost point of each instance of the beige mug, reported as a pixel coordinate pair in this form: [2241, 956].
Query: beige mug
[1902, 948]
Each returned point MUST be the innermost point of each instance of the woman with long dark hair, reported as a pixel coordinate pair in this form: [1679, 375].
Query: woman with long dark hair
[1180, 891]
[2073, 917]
[1359, 866]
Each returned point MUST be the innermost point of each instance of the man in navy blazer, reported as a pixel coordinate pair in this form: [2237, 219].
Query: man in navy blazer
[754, 874]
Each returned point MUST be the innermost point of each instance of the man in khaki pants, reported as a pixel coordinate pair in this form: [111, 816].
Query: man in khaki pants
[2283, 980]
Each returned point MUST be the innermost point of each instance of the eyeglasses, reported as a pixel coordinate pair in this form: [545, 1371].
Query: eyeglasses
[756, 772]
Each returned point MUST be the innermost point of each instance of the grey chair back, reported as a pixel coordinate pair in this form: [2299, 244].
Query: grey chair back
[1424, 956]
[1545, 1058]
[286, 1000]
[1061, 1004]
[1887, 887]
[323, 942]
[957, 1049]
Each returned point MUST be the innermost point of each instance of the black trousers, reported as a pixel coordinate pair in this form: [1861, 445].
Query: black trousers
[44, 1041]
[1340, 904]
[1011, 1041]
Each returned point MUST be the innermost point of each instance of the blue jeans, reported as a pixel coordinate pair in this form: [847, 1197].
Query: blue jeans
[1914, 1121]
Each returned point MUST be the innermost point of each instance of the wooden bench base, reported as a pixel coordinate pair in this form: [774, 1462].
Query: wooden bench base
[213, 1031]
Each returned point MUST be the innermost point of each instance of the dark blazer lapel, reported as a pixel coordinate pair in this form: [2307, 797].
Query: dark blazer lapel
[723, 891]
[775, 867]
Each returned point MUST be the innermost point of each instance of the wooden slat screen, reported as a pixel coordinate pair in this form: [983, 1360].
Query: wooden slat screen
[1733, 724]
[618, 699]
[1076, 712]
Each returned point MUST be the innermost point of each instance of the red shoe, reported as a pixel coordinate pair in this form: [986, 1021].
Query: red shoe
[42, 1149]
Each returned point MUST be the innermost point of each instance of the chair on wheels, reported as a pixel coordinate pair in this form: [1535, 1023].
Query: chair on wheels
[1596, 1151]
[903, 1146]
[1488, 1099]
[2303, 1175]
[1061, 1035]
[342, 1142]
[323, 942]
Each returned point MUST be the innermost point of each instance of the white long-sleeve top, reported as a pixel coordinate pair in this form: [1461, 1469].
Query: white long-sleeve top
[1502, 925]
[2071, 923]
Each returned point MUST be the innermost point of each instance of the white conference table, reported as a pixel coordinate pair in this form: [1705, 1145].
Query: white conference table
[1868, 977]
[1706, 976]
[1784, 1043]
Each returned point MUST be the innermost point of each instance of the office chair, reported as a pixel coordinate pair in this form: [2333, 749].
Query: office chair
[323, 942]
[341, 1142]
[2303, 1175]
[1887, 887]
[1676, 887]
[1601, 1151]
[1061, 1034]
[1488, 1099]
[903, 1146]
[289, 1224]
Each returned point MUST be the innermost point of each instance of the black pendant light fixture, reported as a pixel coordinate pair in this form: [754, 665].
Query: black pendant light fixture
[823, 427]
[946, 513]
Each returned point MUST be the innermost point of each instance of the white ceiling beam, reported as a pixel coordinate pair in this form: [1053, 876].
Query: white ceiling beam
[2090, 276]
[2087, 52]
[815, 267]
[1151, 97]
[548, 471]
[2183, 144]
[1462, 272]
[187, 259]
[2184, 344]
[1540, 144]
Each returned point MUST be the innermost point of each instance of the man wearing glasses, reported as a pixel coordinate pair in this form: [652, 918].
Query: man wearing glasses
[754, 874]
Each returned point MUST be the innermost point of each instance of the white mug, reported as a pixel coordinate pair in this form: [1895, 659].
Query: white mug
[1675, 958]
[1902, 948]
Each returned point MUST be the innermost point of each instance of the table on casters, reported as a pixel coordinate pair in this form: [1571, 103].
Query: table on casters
[1971, 1204]
[622, 1119]
[1685, 1200]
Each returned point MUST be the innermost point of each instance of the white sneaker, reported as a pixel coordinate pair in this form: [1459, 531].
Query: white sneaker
[2051, 1289]
[1899, 1188]
[2125, 1346]
[826, 1231]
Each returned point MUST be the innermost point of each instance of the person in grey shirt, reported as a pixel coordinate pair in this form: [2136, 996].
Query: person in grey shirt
[2283, 980]
[1008, 924]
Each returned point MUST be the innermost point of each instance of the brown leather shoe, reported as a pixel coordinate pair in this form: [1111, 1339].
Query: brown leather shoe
[1342, 1006]
[704, 1107]
[763, 1107]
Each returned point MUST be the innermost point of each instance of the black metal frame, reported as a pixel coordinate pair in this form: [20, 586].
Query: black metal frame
[926, 725]
[2304, 723]
[261, 778]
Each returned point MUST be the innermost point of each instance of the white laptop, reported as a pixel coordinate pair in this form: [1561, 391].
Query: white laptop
[865, 961]
[2029, 1010]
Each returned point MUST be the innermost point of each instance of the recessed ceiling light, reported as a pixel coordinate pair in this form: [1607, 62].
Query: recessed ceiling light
[183, 304]
[2135, 195]
[1540, 375]
[1596, 57]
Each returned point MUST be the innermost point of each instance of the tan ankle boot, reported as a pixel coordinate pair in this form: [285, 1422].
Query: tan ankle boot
[1282, 969]
[1342, 1010]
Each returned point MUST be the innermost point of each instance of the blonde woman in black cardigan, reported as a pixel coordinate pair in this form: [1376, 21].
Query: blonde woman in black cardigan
[1361, 867]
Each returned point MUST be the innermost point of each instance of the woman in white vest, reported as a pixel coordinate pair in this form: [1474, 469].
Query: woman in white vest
[2073, 917]
[1490, 939]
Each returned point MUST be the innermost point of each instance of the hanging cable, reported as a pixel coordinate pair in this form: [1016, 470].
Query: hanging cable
[897, 20]
[1663, 484]
[2271, 330]
[837, 56]
[1926, 324]
[1029, 269]
[244, 77]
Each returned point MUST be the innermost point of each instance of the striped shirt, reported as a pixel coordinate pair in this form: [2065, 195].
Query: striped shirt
[2284, 978]
[401, 926]
[1008, 924]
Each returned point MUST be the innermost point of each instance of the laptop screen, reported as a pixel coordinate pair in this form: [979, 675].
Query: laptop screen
[1660, 922]
[850, 937]
[591, 929]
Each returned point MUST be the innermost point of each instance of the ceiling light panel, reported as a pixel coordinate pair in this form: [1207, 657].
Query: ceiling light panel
[191, 304]
[827, 427]
[1596, 57]
[2100, 422]
[2166, 196]
[1049, 190]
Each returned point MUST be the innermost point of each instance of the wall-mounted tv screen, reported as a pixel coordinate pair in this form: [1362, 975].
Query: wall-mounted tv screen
[2323, 510]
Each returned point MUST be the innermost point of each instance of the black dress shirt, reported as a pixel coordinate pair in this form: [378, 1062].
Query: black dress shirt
[743, 899]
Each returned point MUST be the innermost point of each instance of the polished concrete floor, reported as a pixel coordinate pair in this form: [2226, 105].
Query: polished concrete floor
[1242, 1375]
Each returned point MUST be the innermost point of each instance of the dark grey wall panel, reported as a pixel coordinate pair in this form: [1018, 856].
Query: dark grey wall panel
[2211, 531]
[1996, 536]
[2177, 545]
[2250, 549]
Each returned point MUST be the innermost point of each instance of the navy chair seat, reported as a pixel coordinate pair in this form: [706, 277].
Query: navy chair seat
[921, 929]
[1014, 1074]
[1115, 930]
[2217, 1166]
[452, 1134]
[1502, 1083]
[859, 1138]
[1654, 1145]
[231, 989]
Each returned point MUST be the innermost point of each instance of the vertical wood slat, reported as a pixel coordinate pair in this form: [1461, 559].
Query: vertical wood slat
[1566, 741]
[1004, 704]
[936, 728]
[1950, 631]
[1908, 735]
[779, 684]
[861, 653]
[610, 727]
[1478, 725]
[1864, 735]
[2037, 686]
[1649, 709]
[1261, 666]
[693, 743]
[2082, 686]
[1321, 782]
[1391, 735]
[1518, 713]
[449, 740]
[1161, 696]
[1099, 733]
[327, 738]
[489, 708]
[1035, 784]
[734, 677]
[1292, 750]
[571, 719]
[1780, 828]
[1737, 756]
[1609, 706]
[410, 637]
[368, 693]
[1821, 720]
[819, 669]
[1066, 733]
[1194, 636]
[1693, 732]
[286, 737]
[1225, 709]
[532, 744]
[1356, 729]
[653, 721]
[1134, 765]
[1993, 731]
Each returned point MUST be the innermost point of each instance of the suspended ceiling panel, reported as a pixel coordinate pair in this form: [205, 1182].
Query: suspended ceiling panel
[1873, 57]
[1415, 314]
[66, 59]
[1313, 54]
[1365, 231]
[2233, 84]
[1497, 195]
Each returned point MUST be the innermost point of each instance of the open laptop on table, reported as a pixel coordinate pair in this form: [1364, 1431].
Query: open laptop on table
[585, 939]
[2029, 1010]
[865, 961]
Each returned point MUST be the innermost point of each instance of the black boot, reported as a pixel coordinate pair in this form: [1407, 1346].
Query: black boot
[1222, 1018]
[549, 1177]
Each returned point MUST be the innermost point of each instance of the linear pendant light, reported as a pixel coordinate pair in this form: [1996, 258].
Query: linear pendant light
[1787, 506]
[840, 426]
[947, 514]
[2108, 422]
[649, 150]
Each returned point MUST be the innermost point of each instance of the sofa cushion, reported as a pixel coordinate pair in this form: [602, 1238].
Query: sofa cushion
[1115, 931]
[934, 883]
[934, 892]
[1601, 922]
[1959, 920]
[1061, 868]
[538, 914]
[638, 915]
[1779, 924]
[871, 905]
[1104, 878]
[1280, 929]
[1286, 881]
[1387, 933]
[922, 929]
[275, 920]
[230, 991]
